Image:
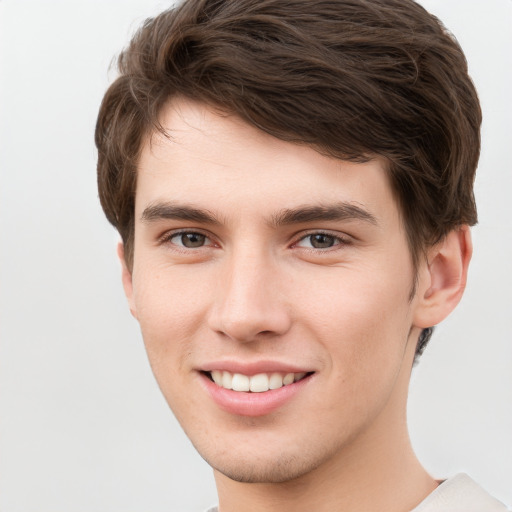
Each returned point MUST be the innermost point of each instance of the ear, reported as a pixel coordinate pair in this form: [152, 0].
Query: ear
[443, 278]
[127, 279]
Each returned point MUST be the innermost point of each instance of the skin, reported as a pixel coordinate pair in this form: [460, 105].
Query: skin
[258, 287]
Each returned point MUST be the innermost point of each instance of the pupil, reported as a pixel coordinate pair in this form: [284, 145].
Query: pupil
[322, 241]
[192, 240]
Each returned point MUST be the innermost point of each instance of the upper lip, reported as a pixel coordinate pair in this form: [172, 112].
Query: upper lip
[254, 367]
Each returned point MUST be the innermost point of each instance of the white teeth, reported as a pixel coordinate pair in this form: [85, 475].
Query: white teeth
[227, 379]
[240, 382]
[275, 381]
[259, 383]
[288, 379]
[256, 383]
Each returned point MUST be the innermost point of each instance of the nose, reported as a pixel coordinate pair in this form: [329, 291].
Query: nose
[250, 303]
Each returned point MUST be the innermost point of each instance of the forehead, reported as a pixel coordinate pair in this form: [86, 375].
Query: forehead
[222, 162]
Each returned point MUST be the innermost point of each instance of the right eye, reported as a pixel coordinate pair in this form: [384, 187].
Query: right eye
[189, 239]
[319, 241]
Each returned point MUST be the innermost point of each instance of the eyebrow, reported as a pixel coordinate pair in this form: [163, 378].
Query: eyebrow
[332, 212]
[169, 211]
[303, 214]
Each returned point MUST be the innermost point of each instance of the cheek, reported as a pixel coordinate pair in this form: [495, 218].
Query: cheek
[167, 296]
[363, 326]
[167, 322]
[351, 296]
[363, 319]
[169, 308]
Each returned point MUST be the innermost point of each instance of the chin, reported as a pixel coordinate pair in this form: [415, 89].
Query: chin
[266, 469]
[271, 473]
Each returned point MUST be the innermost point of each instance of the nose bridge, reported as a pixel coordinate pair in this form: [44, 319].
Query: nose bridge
[249, 302]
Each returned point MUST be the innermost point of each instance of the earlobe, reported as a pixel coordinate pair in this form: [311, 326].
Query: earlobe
[127, 279]
[444, 277]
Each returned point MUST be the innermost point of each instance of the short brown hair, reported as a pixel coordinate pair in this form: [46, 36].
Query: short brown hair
[351, 78]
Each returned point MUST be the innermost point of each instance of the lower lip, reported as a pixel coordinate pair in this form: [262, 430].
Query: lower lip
[252, 404]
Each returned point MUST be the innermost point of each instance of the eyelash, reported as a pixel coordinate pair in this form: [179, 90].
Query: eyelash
[338, 240]
[166, 238]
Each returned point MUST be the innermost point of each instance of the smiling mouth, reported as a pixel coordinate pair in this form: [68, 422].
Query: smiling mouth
[258, 383]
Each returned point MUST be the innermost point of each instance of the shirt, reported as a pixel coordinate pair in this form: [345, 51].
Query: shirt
[457, 494]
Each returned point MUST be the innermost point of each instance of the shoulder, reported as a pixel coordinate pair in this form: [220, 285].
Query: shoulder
[457, 494]
[460, 494]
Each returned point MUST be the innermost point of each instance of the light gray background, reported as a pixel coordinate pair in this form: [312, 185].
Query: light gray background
[83, 426]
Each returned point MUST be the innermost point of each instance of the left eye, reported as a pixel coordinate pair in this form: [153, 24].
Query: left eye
[190, 240]
[319, 241]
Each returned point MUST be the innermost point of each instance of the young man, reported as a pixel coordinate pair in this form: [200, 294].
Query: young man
[292, 181]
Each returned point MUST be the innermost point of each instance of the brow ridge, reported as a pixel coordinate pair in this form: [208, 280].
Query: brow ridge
[299, 215]
[169, 211]
[331, 212]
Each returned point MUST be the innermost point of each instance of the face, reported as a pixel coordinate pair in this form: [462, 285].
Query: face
[268, 268]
